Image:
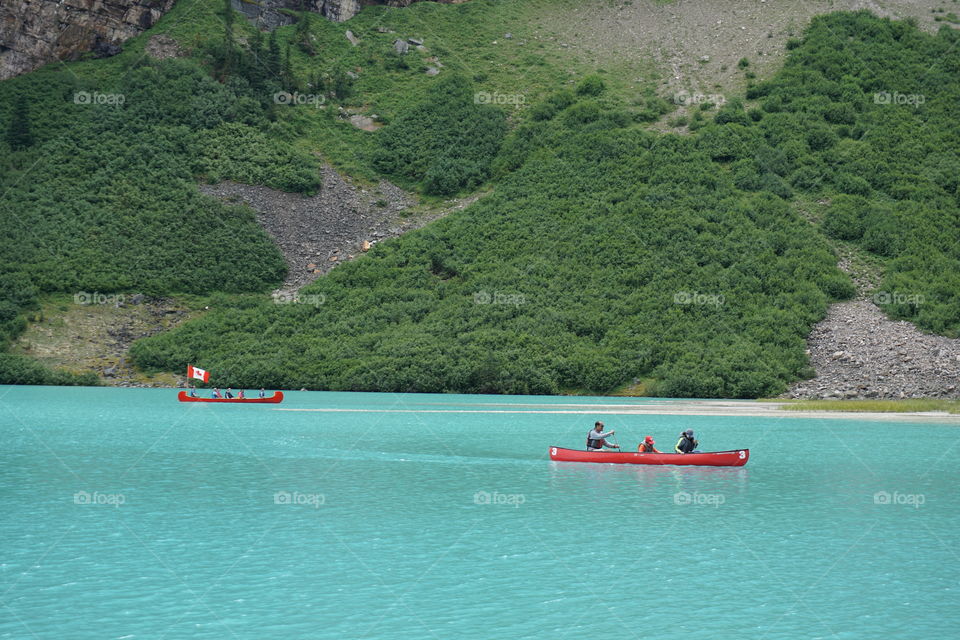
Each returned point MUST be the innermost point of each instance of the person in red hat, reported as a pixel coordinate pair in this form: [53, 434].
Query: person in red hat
[647, 446]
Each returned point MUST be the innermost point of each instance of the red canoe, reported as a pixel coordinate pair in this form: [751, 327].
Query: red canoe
[277, 396]
[736, 458]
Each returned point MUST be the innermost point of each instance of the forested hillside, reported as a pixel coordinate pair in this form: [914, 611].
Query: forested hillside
[865, 113]
[606, 252]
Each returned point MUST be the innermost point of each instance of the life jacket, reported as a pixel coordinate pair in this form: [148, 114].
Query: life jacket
[645, 448]
[685, 444]
[594, 443]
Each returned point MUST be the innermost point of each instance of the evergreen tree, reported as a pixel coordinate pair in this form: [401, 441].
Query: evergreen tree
[342, 86]
[289, 82]
[257, 71]
[19, 135]
[302, 35]
[274, 63]
[229, 45]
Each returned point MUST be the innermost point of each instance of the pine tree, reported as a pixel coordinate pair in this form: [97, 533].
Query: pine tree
[274, 64]
[257, 72]
[342, 86]
[19, 134]
[289, 82]
[229, 45]
[302, 35]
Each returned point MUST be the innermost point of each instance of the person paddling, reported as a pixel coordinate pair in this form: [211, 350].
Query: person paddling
[596, 438]
[687, 443]
[216, 393]
[193, 391]
[262, 393]
[647, 446]
[240, 395]
[228, 393]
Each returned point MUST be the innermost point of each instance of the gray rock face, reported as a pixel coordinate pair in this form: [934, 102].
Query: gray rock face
[401, 46]
[339, 10]
[36, 32]
[265, 13]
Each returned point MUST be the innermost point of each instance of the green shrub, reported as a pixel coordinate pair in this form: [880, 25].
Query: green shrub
[591, 85]
[844, 218]
[446, 142]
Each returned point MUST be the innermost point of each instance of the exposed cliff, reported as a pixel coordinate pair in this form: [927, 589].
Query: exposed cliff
[35, 32]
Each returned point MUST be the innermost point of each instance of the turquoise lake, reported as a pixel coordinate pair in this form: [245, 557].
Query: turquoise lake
[126, 514]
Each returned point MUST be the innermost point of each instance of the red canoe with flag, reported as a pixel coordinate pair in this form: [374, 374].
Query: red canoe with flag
[277, 396]
[736, 458]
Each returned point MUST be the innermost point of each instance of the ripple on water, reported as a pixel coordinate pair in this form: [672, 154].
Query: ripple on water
[457, 525]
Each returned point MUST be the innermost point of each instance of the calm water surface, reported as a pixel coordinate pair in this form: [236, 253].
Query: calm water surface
[126, 514]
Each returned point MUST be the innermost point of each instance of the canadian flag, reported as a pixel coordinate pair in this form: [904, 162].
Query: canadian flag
[194, 372]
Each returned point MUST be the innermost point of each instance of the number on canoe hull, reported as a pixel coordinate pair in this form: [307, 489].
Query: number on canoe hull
[553, 451]
[742, 454]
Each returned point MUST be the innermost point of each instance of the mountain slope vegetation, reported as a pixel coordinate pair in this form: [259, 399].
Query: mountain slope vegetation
[605, 253]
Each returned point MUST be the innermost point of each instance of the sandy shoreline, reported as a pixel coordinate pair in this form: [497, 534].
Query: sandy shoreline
[744, 408]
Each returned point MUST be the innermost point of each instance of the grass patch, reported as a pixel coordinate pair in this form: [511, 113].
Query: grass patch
[641, 389]
[918, 405]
